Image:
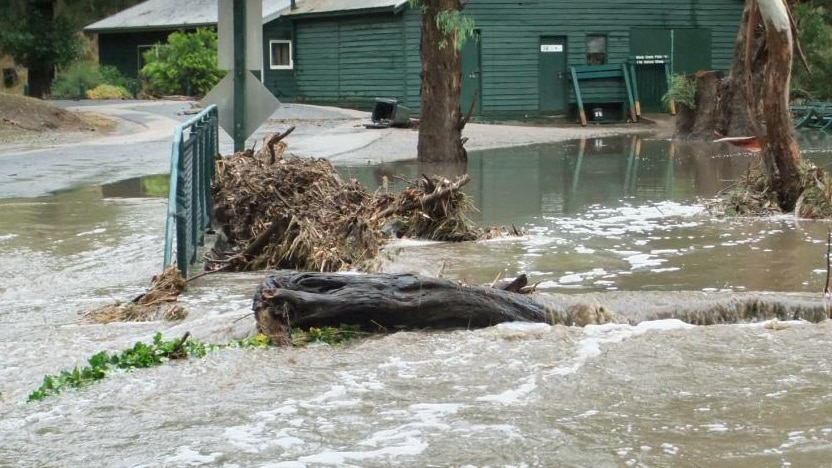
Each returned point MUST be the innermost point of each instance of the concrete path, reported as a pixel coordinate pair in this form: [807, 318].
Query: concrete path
[141, 145]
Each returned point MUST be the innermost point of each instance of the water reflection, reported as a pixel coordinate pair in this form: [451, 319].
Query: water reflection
[620, 213]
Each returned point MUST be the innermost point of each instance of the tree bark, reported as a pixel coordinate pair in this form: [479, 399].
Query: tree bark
[757, 90]
[781, 155]
[388, 302]
[40, 81]
[440, 123]
[720, 101]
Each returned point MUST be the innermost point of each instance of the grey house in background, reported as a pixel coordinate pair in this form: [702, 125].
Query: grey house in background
[348, 52]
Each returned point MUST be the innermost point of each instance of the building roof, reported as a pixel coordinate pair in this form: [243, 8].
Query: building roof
[337, 7]
[168, 14]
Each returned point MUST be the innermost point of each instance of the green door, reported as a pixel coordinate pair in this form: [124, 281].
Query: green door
[691, 50]
[552, 74]
[471, 75]
[651, 78]
[688, 49]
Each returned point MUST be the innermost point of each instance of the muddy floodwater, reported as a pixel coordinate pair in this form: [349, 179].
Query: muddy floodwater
[611, 216]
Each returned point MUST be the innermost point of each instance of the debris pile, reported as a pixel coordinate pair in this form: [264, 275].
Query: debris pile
[158, 303]
[277, 212]
[752, 195]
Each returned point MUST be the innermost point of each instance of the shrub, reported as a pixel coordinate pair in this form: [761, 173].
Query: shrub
[106, 91]
[682, 91]
[76, 79]
[815, 35]
[187, 64]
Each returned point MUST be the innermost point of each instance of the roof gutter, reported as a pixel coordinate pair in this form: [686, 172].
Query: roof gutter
[361, 11]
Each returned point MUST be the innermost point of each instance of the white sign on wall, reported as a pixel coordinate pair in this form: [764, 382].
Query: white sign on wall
[551, 47]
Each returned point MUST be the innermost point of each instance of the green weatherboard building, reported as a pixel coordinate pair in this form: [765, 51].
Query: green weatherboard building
[348, 52]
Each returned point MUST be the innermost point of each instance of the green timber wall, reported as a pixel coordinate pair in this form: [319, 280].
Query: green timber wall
[281, 83]
[349, 60]
[510, 34]
[121, 50]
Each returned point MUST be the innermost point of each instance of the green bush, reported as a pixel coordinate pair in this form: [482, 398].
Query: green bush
[113, 77]
[74, 81]
[187, 64]
[106, 91]
[682, 91]
[815, 34]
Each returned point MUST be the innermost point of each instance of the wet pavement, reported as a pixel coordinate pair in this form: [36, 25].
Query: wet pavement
[602, 219]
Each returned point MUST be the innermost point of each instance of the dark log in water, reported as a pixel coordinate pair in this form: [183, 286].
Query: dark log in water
[385, 302]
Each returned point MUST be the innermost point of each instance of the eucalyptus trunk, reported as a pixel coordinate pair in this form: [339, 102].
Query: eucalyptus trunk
[781, 155]
[440, 123]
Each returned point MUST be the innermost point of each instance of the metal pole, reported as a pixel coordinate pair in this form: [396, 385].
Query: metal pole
[239, 75]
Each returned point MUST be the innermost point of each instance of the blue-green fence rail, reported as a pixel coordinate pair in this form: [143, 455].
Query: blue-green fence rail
[195, 146]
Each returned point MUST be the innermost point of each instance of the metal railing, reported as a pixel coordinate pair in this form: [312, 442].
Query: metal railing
[195, 146]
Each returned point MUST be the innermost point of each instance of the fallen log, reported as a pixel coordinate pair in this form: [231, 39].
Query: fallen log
[390, 302]
[379, 302]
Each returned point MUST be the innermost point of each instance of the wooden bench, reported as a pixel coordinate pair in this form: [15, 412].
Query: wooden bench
[813, 114]
[614, 73]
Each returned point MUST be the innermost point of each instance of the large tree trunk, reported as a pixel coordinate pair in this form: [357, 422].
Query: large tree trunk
[720, 101]
[781, 155]
[389, 302]
[40, 81]
[756, 91]
[440, 125]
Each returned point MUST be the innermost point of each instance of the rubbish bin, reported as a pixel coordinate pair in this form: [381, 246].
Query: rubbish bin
[390, 113]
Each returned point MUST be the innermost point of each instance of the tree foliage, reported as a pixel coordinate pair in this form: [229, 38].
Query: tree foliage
[814, 24]
[35, 39]
[187, 64]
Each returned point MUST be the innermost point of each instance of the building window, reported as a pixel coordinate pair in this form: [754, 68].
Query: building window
[280, 55]
[596, 49]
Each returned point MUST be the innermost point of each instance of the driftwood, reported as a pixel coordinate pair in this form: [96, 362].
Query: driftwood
[389, 302]
[379, 302]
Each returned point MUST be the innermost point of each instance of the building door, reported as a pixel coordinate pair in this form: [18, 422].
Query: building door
[552, 73]
[471, 75]
[687, 50]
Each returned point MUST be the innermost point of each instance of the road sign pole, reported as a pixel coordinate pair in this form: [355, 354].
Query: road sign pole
[239, 74]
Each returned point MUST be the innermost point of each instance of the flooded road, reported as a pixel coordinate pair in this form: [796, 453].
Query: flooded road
[606, 216]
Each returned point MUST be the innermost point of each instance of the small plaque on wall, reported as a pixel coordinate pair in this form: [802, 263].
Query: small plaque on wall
[551, 47]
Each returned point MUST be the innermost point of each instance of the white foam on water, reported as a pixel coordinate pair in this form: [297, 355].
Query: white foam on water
[513, 396]
[185, 456]
[404, 440]
[595, 336]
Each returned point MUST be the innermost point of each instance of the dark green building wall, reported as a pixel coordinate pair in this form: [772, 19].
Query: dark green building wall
[349, 60]
[122, 49]
[280, 82]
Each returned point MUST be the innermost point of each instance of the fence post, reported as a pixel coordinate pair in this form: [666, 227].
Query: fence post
[189, 200]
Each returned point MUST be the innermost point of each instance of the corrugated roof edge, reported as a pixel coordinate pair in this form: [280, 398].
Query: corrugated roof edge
[395, 9]
[167, 27]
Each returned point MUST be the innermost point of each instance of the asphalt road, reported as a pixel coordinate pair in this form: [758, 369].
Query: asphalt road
[141, 144]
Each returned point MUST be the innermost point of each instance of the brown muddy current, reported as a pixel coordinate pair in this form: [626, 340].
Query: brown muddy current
[617, 220]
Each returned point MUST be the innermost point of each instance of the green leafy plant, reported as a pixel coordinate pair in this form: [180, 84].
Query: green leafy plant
[187, 64]
[815, 35]
[682, 91]
[327, 335]
[141, 355]
[105, 91]
[76, 80]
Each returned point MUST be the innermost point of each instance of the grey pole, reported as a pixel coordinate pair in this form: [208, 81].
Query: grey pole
[239, 74]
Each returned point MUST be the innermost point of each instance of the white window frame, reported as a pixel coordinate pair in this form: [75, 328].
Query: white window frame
[272, 66]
